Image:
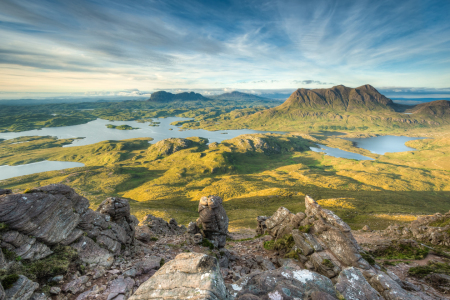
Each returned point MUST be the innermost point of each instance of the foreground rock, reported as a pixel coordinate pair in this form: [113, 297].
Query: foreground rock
[213, 220]
[189, 276]
[284, 283]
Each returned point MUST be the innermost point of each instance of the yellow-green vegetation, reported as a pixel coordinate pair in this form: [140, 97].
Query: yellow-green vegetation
[283, 244]
[431, 267]
[254, 174]
[120, 127]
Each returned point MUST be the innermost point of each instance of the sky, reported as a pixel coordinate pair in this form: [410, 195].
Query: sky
[104, 47]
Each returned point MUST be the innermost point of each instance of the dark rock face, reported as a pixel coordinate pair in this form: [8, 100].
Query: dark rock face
[352, 285]
[55, 214]
[213, 219]
[261, 227]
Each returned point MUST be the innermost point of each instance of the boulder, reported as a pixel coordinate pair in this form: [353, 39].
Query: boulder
[121, 288]
[91, 253]
[2, 293]
[386, 286]
[188, 276]
[279, 224]
[159, 226]
[5, 191]
[261, 227]
[22, 289]
[213, 219]
[143, 233]
[24, 246]
[283, 283]
[49, 214]
[353, 286]
[116, 208]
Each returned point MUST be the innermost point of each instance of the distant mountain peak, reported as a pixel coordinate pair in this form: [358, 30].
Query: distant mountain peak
[163, 96]
[339, 97]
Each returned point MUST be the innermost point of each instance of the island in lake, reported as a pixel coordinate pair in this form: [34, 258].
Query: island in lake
[121, 127]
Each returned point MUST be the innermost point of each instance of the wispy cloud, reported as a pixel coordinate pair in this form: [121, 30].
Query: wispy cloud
[110, 44]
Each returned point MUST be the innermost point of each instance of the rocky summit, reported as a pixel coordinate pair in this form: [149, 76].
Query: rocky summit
[55, 247]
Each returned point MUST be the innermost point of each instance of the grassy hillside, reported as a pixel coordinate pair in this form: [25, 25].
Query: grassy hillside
[255, 174]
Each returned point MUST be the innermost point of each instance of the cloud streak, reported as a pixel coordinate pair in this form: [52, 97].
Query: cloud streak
[101, 45]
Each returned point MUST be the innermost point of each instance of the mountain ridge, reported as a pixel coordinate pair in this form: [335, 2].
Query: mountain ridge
[339, 97]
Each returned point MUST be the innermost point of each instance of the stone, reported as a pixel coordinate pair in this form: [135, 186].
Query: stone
[2, 292]
[301, 243]
[353, 286]
[120, 288]
[143, 233]
[193, 228]
[282, 283]
[54, 290]
[197, 238]
[22, 289]
[261, 227]
[188, 276]
[5, 191]
[146, 265]
[159, 226]
[116, 208]
[267, 265]
[39, 296]
[25, 246]
[214, 219]
[366, 228]
[277, 223]
[76, 285]
[386, 286]
[439, 281]
[91, 253]
[98, 272]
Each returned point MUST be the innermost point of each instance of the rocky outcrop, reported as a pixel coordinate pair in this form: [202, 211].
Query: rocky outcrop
[433, 229]
[188, 276]
[5, 191]
[284, 283]
[55, 214]
[152, 226]
[352, 285]
[213, 220]
[261, 228]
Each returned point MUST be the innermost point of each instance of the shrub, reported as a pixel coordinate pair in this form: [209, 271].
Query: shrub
[398, 250]
[305, 229]
[327, 263]
[3, 227]
[153, 238]
[9, 255]
[207, 243]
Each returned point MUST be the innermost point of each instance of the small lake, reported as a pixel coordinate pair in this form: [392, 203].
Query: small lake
[339, 153]
[96, 131]
[38, 167]
[383, 144]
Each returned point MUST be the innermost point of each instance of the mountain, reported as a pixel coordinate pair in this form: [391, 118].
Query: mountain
[339, 97]
[164, 97]
[439, 109]
[239, 96]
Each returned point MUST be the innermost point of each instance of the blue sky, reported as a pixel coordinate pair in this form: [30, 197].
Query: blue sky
[109, 46]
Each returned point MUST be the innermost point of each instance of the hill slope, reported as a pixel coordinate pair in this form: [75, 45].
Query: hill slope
[164, 97]
[439, 109]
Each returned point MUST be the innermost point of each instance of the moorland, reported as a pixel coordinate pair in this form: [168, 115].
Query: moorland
[257, 173]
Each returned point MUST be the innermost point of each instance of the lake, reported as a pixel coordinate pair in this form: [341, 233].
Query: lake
[96, 131]
[38, 167]
[339, 153]
[383, 144]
